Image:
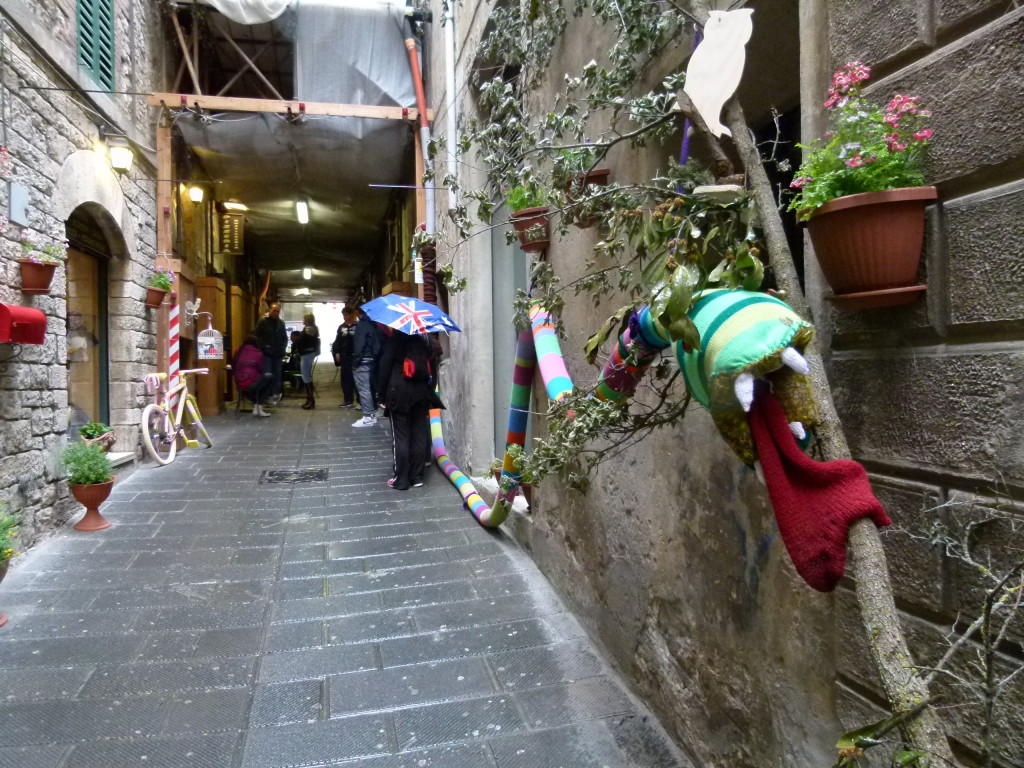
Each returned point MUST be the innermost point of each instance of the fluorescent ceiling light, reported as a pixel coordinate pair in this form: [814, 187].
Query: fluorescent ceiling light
[195, 194]
[302, 211]
[307, 273]
[230, 206]
[302, 291]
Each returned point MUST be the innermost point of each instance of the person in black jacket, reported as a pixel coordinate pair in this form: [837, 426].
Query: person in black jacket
[308, 349]
[273, 343]
[365, 349]
[407, 386]
[342, 351]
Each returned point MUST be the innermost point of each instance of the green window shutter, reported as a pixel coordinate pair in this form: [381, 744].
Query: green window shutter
[96, 40]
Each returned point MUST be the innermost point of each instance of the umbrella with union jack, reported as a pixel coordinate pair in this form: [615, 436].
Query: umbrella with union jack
[411, 316]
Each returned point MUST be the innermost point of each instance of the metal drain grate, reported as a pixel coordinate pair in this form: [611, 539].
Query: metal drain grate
[293, 476]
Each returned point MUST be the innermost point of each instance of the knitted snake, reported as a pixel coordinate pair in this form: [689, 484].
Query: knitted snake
[638, 347]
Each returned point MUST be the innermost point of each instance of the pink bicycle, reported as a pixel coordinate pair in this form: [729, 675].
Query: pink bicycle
[173, 413]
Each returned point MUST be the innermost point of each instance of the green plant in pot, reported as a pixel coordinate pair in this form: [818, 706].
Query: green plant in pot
[859, 190]
[39, 262]
[99, 434]
[8, 532]
[158, 285]
[528, 203]
[91, 477]
[574, 169]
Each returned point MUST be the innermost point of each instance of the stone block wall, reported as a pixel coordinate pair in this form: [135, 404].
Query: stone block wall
[930, 394]
[51, 132]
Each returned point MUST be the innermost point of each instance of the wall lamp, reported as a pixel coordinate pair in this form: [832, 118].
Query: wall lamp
[195, 194]
[119, 149]
[302, 211]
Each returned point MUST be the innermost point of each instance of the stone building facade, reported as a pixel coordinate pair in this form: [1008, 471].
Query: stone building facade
[100, 338]
[673, 559]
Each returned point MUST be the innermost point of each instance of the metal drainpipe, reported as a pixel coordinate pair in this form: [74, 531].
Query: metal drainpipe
[452, 118]
[429, 274]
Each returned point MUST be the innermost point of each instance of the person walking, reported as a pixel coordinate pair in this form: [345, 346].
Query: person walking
[307, 347]
[365, 348]
[407, 388]
[342, 351]
[273, 338]
[251, 376]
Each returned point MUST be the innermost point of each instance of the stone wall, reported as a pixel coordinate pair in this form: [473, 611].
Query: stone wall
[673, 559]
[51, 137]
[930, 394]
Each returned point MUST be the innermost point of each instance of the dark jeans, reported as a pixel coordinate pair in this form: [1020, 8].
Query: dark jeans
[257, 393]
[273, 366]
[410, 445]
[348, 382]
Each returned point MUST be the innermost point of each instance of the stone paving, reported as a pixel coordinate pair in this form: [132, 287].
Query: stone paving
[226, 623]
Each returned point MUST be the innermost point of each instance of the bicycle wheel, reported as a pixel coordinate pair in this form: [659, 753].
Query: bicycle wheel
[194, 428]
[160, 440]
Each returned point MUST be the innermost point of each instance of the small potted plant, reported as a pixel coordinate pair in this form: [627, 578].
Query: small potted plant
[99, 434]
[859, 190]
[91, 478]
[8, 531]
[39, 262]
[158, 285]
[575, 166]
[528, 203]
[496, 469]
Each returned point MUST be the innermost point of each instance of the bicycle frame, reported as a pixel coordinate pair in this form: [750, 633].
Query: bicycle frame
[165, 398]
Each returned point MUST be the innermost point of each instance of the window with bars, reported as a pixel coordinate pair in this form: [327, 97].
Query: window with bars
[96, 40]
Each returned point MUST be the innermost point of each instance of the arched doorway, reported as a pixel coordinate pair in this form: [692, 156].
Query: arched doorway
[92, 264]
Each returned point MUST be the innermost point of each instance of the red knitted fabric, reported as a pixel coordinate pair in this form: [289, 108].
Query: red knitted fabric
[815, 502]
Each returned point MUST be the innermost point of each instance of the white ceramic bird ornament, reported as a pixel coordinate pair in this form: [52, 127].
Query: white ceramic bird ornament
[716, 67]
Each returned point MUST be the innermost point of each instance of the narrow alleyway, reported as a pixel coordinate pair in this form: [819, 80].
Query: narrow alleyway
[227, 622]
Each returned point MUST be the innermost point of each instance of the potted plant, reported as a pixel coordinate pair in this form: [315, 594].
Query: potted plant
[99, 434]
[528, 203]
[158, 285]
[91, 478]
[8, 530]
[496, 469]
[39, 262]
[575, 166]
[859, 190]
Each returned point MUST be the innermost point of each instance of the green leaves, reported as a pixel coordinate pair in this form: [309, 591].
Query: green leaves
[616, 323]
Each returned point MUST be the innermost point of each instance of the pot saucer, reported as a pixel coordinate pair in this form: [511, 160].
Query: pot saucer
[887, 297]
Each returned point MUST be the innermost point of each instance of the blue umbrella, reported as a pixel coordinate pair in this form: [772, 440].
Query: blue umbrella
[410, 316]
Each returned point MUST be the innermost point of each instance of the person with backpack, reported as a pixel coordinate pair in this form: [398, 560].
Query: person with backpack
[251, 376]
[406, 384]
[365, 349]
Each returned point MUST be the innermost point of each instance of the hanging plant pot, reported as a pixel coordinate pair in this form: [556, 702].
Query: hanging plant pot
[155, 297]
[599, 177]
[36, 276]
[532, 226]
[526, 489]
[869, 245]
[90, 497]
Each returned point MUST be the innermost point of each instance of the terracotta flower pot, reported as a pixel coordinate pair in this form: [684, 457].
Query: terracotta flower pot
[3, 572]
[527, 490]
[532, 226]
[598, 177]
[105, 441]
[871, 242]
[90, 497]
[36, 276]
[155, 297]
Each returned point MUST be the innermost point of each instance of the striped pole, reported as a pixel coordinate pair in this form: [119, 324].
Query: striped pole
[173, 344]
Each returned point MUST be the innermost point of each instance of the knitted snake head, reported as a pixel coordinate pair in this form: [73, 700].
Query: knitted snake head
[746, 336]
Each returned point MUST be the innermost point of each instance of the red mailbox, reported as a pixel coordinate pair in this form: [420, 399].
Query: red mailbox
[22, 325]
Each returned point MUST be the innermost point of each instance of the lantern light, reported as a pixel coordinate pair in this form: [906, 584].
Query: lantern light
[195, 194]
[120, 152]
